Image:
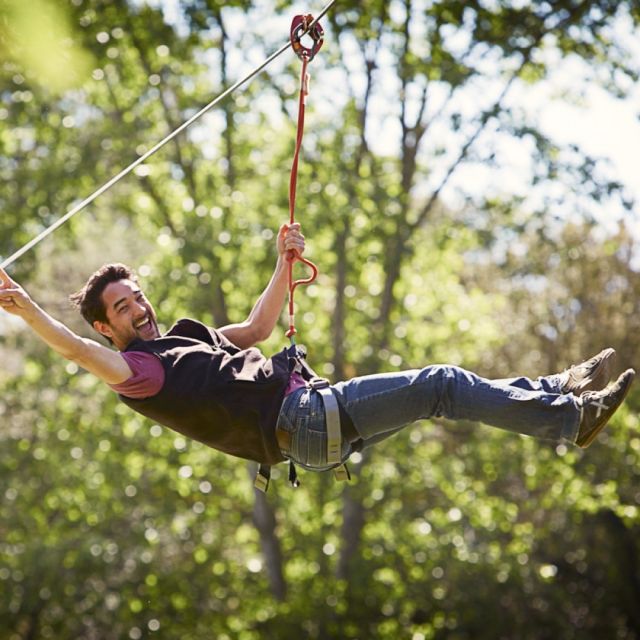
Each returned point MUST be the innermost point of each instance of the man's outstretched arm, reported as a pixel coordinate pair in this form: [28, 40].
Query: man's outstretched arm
[266, 311]
[105, 363]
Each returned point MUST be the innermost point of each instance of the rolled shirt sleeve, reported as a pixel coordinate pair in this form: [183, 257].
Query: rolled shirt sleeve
[147, 378]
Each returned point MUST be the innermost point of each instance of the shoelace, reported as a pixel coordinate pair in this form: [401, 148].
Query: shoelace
[578, 372]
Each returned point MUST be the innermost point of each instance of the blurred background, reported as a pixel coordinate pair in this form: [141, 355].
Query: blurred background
[468, 189]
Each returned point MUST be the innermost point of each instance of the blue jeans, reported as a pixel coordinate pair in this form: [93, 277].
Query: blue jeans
[380, 405]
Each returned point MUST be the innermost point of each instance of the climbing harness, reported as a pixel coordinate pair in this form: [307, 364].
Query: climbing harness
[305, 24]
[297, 355]
[107, 185]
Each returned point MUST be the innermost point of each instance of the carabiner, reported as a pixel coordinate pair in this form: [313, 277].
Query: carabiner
[300, 27]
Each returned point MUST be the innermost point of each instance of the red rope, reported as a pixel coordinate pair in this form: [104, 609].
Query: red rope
[299, 24]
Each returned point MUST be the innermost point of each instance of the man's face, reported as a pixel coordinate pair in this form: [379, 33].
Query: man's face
[129, 314]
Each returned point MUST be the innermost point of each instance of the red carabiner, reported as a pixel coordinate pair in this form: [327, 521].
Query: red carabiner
[300, 27]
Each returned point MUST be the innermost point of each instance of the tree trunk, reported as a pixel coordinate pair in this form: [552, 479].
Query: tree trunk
[264, 520]
[353, 521]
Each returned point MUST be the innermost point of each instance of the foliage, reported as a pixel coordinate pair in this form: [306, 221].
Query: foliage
[111, 527]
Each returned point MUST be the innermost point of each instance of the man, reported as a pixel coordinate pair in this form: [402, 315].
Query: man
[213, 384]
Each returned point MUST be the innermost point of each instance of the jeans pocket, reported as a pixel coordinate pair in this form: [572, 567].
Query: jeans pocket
[316, 448]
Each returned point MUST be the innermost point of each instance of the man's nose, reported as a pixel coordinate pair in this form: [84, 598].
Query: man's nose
[140, 309]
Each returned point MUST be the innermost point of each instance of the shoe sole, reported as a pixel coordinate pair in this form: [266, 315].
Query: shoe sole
[630, 373]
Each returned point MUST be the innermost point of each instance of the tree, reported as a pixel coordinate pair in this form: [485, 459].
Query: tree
[111, 527]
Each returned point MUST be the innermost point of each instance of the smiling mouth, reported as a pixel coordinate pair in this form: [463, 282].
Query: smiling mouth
[144, 324]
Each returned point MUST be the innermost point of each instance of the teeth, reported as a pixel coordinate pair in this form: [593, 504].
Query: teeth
[141, 324]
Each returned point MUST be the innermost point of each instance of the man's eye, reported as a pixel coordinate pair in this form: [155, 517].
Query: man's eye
[121, 309]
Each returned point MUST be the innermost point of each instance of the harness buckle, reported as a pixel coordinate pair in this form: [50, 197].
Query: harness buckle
[318, 383]
[300, 27]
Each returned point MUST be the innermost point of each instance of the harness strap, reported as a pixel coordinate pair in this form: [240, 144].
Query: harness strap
[334, 433]
[264, 475]
[332, 417]
[262, 478]
[342, 473]
[293, 475]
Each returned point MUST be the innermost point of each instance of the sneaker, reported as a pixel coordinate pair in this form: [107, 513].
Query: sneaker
[591, 375]
[599, 406]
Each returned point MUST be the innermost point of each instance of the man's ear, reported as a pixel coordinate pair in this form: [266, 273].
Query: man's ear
[103, 328]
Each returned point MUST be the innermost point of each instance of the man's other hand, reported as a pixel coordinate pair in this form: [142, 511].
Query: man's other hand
[13, 298]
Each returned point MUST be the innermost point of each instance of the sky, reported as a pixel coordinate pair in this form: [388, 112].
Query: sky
[605, 126]
[599, 123]
[569, 110]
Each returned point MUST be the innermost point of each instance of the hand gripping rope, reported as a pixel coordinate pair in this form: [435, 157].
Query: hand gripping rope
[300, 25]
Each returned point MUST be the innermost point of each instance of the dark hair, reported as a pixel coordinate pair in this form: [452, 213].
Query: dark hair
[89, 299]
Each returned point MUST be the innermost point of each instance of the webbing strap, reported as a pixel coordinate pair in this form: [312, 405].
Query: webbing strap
[332, 417]
[262, 478]
[293, 475]
[342, 472]
[334, 431]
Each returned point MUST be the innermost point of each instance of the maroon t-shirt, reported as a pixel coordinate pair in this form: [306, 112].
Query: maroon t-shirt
[147, 375]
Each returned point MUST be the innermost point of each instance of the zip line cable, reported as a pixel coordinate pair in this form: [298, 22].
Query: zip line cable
[107, 185]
